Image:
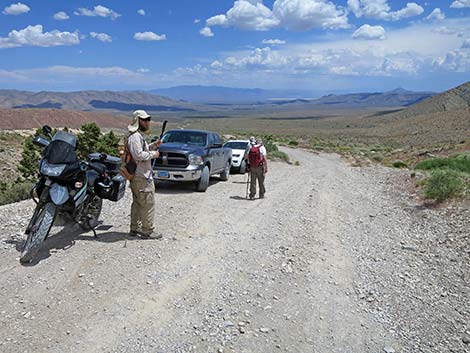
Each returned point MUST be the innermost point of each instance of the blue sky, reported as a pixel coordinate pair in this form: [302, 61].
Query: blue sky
[320, 45]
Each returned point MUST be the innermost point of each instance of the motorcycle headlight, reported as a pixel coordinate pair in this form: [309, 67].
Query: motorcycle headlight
[195, 160]
[53, 170]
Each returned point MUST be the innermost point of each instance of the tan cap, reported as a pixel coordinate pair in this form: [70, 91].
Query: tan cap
[138, 114]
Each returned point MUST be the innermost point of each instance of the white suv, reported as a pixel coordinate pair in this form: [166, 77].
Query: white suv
[239, 149]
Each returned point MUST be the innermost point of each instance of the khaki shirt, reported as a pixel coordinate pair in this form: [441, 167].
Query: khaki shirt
[141, 154]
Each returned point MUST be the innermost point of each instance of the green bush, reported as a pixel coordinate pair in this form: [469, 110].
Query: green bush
[399, 164]
[444, 183]
[14, 192]
[293, 143]
[459, 163]
[278, 155]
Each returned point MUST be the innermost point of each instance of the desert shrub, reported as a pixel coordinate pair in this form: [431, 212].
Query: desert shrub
[108, 144]
[14, 192]
[399, 164]
[268, 142]
[278, 155]
[88, 139]
[297, 163]
[378, 157]
[444, 183]
[293, 143]
[459, 163]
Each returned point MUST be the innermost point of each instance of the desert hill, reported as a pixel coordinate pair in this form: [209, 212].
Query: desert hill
[113, 101]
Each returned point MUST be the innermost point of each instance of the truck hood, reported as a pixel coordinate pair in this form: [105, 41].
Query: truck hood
[240, 152]
[180, 147]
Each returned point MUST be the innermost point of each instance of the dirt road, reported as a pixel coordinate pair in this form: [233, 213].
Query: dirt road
[334, 259]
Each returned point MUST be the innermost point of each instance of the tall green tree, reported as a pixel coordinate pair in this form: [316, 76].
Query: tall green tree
[30, 156]
[88, 139]
[108, 144]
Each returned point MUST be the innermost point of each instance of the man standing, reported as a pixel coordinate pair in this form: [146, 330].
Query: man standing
[257, 160]
[142, 184]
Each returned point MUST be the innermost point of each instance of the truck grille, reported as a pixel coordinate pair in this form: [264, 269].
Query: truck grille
[171, 159]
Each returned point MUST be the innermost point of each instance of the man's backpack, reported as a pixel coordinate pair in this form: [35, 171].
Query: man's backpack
[128, 165]
[254, 156]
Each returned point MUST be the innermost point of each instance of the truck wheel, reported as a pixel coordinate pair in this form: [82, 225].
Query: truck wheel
[203, 183]
[226, 173]
[242, 167]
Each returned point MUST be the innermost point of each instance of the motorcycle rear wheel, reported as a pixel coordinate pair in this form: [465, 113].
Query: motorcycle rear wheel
[39, 231]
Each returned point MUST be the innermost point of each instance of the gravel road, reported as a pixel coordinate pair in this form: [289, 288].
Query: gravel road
[334, 259]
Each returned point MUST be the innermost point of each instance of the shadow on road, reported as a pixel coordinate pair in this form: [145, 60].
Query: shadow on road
[239, 198]
[168, 187]
[67, 237]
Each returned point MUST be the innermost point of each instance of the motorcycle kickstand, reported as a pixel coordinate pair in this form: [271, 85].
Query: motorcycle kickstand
[93, 229]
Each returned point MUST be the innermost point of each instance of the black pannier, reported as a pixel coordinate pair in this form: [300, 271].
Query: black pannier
[112, 164]
[113, 190]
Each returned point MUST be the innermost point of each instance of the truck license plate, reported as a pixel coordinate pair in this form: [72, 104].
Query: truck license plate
[163, 174]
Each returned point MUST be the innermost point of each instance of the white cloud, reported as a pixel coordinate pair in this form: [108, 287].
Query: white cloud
[141, 12]
[436, 14]
[98, 11]
[466, 44]
[61, 16]
[16, 9]
[460, 4]
[34, 36]
[303, 15]
[196, 21]
[142, 70]
[102, 37]
[297, 15]
[457, 60]
[206, 32]
[444, 30]
[369, 32]
[149, 36]
[379, 9]
[246, 14]
[273, 41]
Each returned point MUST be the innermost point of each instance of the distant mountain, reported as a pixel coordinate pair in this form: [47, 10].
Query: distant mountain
[396, 98]
[457, 98]
[123, 101]
[228, 95]
[442, 118]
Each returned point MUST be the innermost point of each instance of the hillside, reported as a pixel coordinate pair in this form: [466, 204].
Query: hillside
[123, 101]
[18, 119]
[454, 99]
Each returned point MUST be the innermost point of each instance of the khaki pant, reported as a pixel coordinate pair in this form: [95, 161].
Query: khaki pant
[257, 174]
[143, 205]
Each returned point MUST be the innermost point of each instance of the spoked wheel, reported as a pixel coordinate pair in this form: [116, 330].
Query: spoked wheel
[39, 231]
[91, 217]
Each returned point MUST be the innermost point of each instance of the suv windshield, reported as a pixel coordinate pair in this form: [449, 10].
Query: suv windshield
[186, 137]
[236, 145]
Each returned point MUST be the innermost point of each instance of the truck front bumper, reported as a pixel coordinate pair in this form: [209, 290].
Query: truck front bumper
[177, 175]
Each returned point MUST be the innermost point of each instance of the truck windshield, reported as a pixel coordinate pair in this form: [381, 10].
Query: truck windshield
[186, 137]
[236, 145]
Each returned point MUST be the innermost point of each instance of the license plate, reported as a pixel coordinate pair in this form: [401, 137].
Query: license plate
[163, 174]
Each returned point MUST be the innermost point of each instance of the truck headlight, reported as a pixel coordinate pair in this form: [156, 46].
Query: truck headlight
[195, 160]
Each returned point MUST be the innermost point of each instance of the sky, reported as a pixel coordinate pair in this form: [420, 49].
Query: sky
[318, 45]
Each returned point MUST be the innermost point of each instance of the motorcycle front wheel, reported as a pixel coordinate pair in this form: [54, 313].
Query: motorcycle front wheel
[39, 231]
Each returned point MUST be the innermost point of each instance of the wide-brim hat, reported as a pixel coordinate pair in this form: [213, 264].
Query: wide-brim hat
[138, 114]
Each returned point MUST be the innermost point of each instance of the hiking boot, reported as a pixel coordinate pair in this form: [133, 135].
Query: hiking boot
[261, 196]
[150, 236]
[133, 233]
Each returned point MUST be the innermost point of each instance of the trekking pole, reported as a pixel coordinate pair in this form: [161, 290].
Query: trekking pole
[247, 184]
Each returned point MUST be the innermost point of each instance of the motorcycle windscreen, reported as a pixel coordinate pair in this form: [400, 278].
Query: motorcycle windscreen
[62, 149]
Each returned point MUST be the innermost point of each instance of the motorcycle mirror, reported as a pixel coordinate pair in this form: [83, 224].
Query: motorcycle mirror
[47, 129]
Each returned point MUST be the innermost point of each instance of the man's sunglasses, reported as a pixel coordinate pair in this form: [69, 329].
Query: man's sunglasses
[147, 119]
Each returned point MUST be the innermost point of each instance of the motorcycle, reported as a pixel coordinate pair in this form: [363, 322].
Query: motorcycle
[69, 189]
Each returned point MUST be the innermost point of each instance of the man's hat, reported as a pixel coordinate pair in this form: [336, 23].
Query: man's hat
[138, 114]
[252, 140]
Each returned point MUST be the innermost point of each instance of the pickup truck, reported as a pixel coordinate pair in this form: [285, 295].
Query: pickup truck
[192, 155]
